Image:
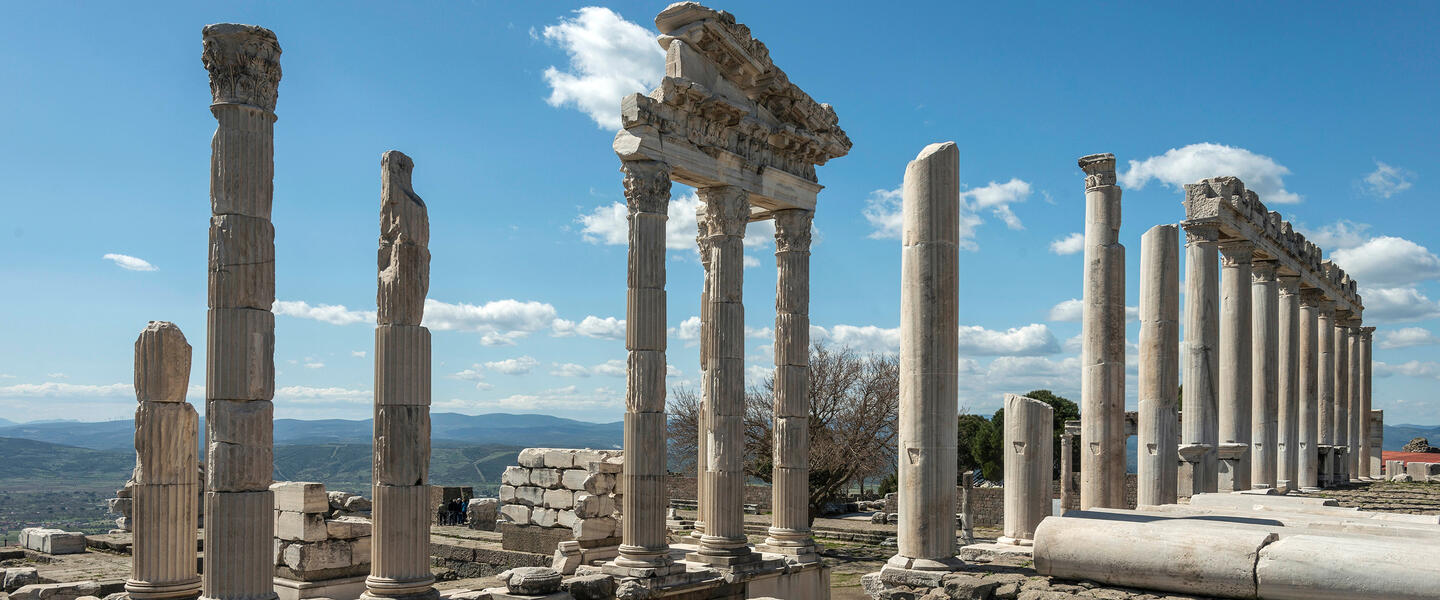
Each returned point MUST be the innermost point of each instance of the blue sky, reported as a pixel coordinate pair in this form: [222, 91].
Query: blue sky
[1326, 110]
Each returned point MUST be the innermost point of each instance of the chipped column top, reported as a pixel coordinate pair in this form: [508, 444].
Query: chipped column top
[1099, 169]
[1240, 215]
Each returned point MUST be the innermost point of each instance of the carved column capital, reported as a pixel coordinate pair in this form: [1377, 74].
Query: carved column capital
[792, 230]
[1099, 170]
[1236, 253]
[727, 209]
[1289, 284]
[647, 186]
[1201, 232]
[244, 64]
[1263, 270]
[1312, 297]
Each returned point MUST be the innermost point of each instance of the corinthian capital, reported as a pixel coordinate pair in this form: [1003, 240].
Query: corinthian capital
[792, 230]
[1099, 170]
[727, 209]
[244, 64]
[647, 186]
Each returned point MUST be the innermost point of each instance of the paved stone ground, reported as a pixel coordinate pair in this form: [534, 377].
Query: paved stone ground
[1415, 498]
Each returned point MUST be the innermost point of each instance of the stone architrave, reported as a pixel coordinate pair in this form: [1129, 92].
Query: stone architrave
[1325, 388]
[1264, 374]
[1340, 414]
[1159, 419]
[789, 531]
[929, 360]
[1199, 428]
[1288, 357]
[400, 548]
[244, 66]
[166, 493]
[1102, 360]
[1369, 450]
[727, 210]
[644, 550]
[1235, 351]
[1307, 460]
[1029, 450]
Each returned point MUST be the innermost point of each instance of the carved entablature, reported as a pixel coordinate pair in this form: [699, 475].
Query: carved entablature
[1240, 214]
[244, 64]
[723, 95]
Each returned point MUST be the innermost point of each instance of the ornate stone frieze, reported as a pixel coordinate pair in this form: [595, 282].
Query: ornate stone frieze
[244, 64]
[647, 186]
[792, 230]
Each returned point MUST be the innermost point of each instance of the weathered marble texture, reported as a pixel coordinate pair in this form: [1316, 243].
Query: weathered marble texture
[1200, 430]
[1159, 419]
[1265, 374]
[1029, 454]
[1235, 367]
[1102, 368]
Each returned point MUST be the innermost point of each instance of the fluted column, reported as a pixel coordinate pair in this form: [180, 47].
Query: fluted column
[1067, 470]
[1288, 358]
[1307, 460]
[166, 492]
[644, 549]
[1235, 367]
[727, 210]
[790, 493]
[1102, 359]
[1369, 466]
[1029, 454]
[1340, 414]
[1264, 373]
[1353, 401]
[702, 458]
[244, 66]
[1325, 389]
[1199, 427]
[1159, 424]
[400, 548]
[929, 360]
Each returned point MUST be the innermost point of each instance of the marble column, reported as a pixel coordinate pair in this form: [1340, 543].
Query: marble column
[702, 241]
[1307, 459]
[1159, 421]
[1264, 373]
[1369, 466]
[1029, 450]
[1198, 427]
[1354, 402]
[1325, 388]
[789, 531]
[1235, 352]
[929, 360]
[1288, 357]
[644, 549]
[1067, 471]
[1340, 414]
[400, 548]
[727, 210]
[244, 66]
[166, 492]
[1102, 359]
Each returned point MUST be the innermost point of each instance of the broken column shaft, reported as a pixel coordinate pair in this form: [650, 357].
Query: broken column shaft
[1159, 421]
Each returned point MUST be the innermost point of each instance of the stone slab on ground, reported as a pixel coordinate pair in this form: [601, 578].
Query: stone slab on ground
[52, 541]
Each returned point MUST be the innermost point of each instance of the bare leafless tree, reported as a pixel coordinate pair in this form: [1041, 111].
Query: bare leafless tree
[853, 410]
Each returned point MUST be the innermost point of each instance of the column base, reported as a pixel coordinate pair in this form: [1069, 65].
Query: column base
[174, 590]
[430, 594]
[382, 588]
[948, 563]
[803, 549]
[1005, 539]
[639, 561]
[1195, 475]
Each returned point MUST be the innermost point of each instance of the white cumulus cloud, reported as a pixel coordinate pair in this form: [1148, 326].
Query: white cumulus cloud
[1031, 340]
[500, 322]
[334, 314]
[1406, 337]
[304, 394]
[1070, 244]
[884, 210]
[1179, 166]
[610, 58]
[1398, 304]
[608, 328]
[1386, 261]
[611, 368]
[54, 389]
[519, 365]
[130, 263]
[1386, 181]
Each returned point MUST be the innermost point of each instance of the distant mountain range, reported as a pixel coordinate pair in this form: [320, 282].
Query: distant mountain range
[452, 428]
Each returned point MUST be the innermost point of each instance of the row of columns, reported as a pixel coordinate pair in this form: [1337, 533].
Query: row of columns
[721, 220]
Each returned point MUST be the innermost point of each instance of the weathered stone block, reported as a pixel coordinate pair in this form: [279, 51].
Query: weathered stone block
[52, 541]
[545, 478]
[166, 442]
[242, 262]
[559, 499]
[402, 365]
[300, 496]
[402, 444]
[360, 551]
[481, 513]
[532, 457]
[330, 554]
[594, 529]
[507, 494]
[591, 505]
[240, 354]
[583, 458]
[18, 577]
[347, 528]
[404, 279]
[515, 513]
[559, 459]
[57, 591]
[241, 442]
[567, 518]
[574, 479]
[599, 483]
[162, 363]
[530, 495]
[515, 476]
[300, 527]
[544, 517]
